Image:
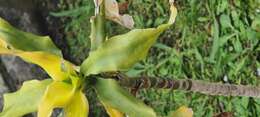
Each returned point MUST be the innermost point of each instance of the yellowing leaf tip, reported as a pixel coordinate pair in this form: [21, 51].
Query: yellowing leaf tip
[174, 13]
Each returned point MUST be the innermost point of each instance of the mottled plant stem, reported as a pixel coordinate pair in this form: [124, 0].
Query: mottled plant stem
[191, 85]
[198, 86]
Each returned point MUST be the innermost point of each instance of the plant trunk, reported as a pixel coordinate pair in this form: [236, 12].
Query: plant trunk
[203, 87]
[191, 85]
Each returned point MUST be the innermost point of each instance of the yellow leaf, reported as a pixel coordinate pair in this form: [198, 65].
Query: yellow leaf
[25, 100]
[182, 112]
[174, 13]
[3, 43]
[58, 94]
[112, 112]
[39, 50]
[78, 106]
[55, 66]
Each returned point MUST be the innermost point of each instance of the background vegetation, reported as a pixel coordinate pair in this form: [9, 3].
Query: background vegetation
[212, 40]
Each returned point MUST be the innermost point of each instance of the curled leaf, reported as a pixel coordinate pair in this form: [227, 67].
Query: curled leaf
[25, 100]
[64, 95]
[121, 52]
[78, 106]
[20, 40]
[58, 94]
[39, 50]
[173, 14]
[112, 13]
[114, 97]
[55, 66]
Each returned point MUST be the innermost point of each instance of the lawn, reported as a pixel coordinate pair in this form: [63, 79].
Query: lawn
[212, 40]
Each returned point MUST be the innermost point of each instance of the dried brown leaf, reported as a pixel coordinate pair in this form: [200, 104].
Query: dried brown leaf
[112, 13]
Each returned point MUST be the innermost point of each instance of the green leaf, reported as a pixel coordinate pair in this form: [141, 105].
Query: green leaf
[97, 35]
[123, 51]
[225, 21]
[25, 100]
[112, 95]
[120, 52]
[58, 94]
[26, 41]
[35, 49]
[218, 43]
[55, 66]
[78, 106]
[256, 24]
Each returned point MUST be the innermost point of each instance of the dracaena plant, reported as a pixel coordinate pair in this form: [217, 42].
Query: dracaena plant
[64, 88]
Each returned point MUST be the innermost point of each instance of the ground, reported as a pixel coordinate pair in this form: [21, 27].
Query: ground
[212, 40]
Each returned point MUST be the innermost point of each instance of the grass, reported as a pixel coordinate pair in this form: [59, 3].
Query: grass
[212, 40]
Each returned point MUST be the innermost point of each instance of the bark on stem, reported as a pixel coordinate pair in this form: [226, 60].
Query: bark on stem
[191, 85]
[183, 84]
[198, 86]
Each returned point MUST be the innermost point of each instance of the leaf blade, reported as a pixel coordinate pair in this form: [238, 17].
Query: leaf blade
[78, 106]
[55, 66]
[112, 112]
[39, 50]
[121, 52]
[58, 94]
[31, 90]
[26, 41]
[182, 112]
[113, 96]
